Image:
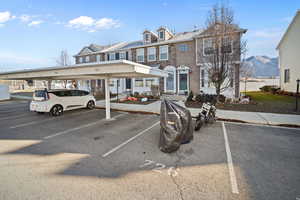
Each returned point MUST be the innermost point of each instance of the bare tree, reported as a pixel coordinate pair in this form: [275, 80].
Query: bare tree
[246, 72]
[222, 48]
[64, 60]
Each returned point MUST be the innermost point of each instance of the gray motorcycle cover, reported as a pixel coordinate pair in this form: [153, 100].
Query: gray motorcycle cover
[176, 126]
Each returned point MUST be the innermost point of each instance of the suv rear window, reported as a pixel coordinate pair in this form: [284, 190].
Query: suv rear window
[40, 93]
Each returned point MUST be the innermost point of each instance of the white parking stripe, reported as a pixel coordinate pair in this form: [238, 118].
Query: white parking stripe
[233, 180]
[45, 120]
[80, 127]
[262, 125]
[129, 140]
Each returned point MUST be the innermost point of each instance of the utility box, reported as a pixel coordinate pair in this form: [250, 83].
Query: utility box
[4, 92]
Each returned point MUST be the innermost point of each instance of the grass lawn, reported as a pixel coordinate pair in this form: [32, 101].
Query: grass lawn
[265, 102]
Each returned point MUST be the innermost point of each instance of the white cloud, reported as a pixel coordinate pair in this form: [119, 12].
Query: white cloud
[25, 18]
[90, 24]
[35, 23]
[5, 16]
[81, 21]
[106, 23]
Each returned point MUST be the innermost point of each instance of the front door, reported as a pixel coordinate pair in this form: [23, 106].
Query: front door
[128, 84]
[183, 82]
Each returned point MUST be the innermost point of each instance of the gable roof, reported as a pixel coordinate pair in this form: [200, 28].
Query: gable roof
[287, 30]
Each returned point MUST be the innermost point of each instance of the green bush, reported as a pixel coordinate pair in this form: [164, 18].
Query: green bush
[270, 88]
[190, 97]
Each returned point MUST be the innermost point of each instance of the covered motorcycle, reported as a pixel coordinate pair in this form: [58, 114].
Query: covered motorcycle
[176, 126]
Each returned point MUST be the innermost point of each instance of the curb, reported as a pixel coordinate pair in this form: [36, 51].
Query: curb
[219, 119]
[21, 97]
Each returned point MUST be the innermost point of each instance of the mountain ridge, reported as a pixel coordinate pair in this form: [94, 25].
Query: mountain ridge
[263, 66]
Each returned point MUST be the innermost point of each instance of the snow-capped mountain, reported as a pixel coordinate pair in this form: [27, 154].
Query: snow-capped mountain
[263, 66]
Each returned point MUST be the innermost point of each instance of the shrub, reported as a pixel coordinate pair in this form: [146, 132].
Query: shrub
[269, 88]
[212, 98]
[190, 97]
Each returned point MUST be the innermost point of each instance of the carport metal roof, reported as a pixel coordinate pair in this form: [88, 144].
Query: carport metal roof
[97, 70]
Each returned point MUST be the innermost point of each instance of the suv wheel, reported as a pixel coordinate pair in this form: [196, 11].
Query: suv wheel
[91, 105]
[56, 110]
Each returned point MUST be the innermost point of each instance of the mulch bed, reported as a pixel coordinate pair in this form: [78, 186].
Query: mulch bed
[136, 102]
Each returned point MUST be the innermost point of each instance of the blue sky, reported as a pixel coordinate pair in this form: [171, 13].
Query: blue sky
[33, 32]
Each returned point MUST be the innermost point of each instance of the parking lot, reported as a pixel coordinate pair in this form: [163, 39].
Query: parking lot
[80, 155]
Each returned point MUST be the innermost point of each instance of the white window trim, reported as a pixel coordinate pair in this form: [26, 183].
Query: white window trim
[204, 39]
[148, 54]
[149, 38]
[122, 52]
[167, 52]
[183, 71]
[87, 58]
[110, 56]
[98, 58]
[137, 55]
[170, 69]
[80, 60]
[164, 35]
[203, 46]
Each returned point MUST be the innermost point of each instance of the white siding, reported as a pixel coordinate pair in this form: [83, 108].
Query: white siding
[289, 55]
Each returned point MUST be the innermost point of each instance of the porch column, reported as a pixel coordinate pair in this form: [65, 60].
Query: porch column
[49, 84]
[107, 98]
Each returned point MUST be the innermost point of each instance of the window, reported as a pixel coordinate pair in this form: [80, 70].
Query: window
[208, 47]
[150, 82]
[139, 82]
[161, 35]
[98, 58]
[227, 45]
[122, 55]
[163, 52]
[112, 56]
[111, 83]
[140, 55]
[151, 51]
[183, 47]
[87, 59]
[147, 37]
[80, 59]
[287, 75]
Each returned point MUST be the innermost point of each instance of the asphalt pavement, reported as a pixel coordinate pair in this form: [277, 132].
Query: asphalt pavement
[80, 155]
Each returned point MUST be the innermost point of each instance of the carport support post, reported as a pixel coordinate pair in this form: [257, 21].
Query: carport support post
[107, 98]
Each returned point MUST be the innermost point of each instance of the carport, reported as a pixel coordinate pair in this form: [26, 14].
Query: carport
[87, 71]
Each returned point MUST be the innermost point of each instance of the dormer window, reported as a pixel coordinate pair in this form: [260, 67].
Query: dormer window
[147, 38]
[87, 59]
[161, 35]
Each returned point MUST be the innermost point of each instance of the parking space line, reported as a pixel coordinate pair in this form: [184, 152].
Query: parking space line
[45, 120]
[80, 127]
[233, 180]
[129, 140]
[262, 125]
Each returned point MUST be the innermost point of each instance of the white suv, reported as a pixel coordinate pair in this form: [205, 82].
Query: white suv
[57, 101]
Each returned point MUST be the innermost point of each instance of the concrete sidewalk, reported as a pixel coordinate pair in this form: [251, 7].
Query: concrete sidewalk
[236, 116]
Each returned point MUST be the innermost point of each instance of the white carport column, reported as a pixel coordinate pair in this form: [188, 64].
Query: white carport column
[107, 98]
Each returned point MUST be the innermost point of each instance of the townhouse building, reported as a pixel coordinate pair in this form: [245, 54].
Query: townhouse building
[180, 54]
